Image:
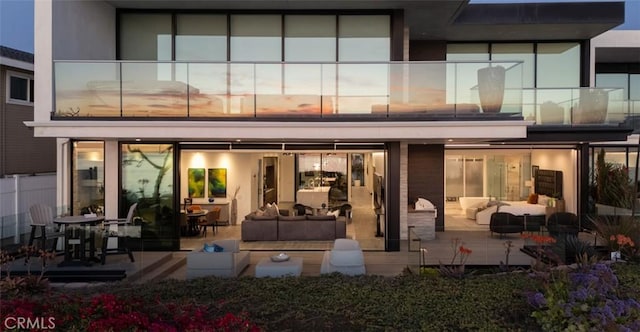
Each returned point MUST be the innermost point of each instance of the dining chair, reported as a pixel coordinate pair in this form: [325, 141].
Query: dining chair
[211, 219]
[42, 219]
[124, 229]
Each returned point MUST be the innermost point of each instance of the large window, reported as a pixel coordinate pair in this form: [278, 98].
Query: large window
[19, 88]
[551, 65]
[88, 177]
[147, 179]
[201, 37]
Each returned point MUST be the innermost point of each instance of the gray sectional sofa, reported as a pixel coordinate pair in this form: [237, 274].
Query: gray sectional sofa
[293, 228]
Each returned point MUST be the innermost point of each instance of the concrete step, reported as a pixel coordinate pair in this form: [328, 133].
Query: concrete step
[164, 270]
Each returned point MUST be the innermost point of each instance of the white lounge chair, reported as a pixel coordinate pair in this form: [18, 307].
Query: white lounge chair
[346, 257]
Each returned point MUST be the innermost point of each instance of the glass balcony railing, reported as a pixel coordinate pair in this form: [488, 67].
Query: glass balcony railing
[575, 106]
[392, 90]
[198, 90]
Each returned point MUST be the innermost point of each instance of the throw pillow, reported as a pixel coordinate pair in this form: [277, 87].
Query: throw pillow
[543, 200]
[260, 213]
[217, 248]
[208, 248]
[275, 206]
[533, 199]
[270, 210]
[335, 213]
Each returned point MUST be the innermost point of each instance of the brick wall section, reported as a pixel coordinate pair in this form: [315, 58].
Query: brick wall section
[425, 177]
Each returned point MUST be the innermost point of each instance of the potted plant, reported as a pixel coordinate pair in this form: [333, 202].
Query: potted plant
[491, 88]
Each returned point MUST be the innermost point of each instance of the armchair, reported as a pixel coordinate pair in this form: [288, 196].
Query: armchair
[228, 263]
[504, 223]
[42, 218]
[346, 257]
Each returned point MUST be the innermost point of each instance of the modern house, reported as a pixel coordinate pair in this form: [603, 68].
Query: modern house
[234, 103]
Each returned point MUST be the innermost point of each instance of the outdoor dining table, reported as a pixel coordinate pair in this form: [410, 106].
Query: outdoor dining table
[75, 230]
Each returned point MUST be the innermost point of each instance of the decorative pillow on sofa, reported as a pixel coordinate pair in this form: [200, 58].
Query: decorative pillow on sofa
[335, 213]
[212, 248]
[533, 199]
[271, 210]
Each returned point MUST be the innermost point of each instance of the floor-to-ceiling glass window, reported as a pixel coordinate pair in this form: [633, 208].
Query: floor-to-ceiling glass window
[518, 52]
[311, 38]
[147, 179]
[363, 38]
[87, 177]
[203, 37]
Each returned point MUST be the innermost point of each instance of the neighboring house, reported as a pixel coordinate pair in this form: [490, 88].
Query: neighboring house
[20, 151]
[157, 101]
[615, 58]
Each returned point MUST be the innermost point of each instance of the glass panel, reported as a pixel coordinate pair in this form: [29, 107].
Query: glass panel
[613, 81]
[148, 89]
[462, 77]
[364, 38]
[361, 86]
[87, 89]
[496, 177]
[558, 65]
[322, 179]
[310, 38]
[31, 90]
[201, 37]
[19, 88]
[634, 87]
[145, 36]
[454, 177]
[634, 94]
[87, 177]
[514, 52]
[207, 89]
[147, 179]
[473, 184]
[256, 38]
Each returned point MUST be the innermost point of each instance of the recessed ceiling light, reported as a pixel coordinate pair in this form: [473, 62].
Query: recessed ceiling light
[450, 140]
[138, 140]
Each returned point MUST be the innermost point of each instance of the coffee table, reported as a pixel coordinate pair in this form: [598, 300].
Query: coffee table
[268, 268]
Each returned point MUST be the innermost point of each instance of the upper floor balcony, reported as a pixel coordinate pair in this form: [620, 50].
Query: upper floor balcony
[380, 91]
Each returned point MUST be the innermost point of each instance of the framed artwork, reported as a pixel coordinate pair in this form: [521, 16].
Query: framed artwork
[196, 182]
[534, 171]
[217, 182]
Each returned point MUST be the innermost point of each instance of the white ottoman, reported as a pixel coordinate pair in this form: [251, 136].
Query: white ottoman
[268, 268]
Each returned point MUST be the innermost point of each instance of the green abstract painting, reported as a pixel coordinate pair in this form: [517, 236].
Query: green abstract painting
[217, 182]
[196, 182]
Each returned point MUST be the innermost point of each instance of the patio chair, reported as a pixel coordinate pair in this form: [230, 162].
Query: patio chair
[42, 220]
[124, 229]
[211, 219]
[346, 257]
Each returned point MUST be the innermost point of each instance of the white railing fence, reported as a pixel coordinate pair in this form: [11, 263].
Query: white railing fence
[17, 194]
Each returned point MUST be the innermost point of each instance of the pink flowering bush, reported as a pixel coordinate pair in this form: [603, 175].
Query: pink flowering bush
[107, 312]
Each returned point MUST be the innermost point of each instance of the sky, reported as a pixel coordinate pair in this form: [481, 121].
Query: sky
[16, 20]
[16, 24]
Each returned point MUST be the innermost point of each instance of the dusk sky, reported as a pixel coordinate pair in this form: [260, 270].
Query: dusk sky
[16, 20]
[16, 24]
